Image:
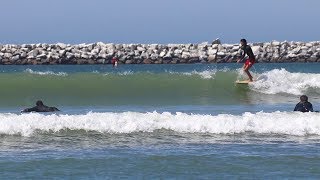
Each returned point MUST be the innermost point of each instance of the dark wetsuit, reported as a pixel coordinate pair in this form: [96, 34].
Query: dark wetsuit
[41, 108]
[304, 107]
[248, 51]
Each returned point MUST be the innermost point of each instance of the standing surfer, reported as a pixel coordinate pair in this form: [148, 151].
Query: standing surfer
[250, 61]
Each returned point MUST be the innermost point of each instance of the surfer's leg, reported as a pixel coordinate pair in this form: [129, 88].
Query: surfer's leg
[246, 70]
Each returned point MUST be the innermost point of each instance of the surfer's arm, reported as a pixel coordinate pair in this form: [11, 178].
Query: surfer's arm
[29, 109]
[242, 54]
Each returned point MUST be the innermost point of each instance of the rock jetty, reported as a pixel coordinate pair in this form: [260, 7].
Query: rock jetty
[102, 53]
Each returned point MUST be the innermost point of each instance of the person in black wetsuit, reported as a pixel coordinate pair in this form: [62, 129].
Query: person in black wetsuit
[304, 105]
[250, 61]
[40, 107]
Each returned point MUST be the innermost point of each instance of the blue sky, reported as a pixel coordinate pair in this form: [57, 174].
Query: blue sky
[158, 21]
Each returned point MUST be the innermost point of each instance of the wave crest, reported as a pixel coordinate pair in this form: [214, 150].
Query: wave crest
[290, 123]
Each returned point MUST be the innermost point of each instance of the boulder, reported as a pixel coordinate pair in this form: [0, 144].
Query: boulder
[61, 45]
[154, 56]
[275, 43]
[216, 41]
[42, 56]
[15, 58]
[212, 51]
[33, 54]
[129, 61]
[141, 49]
[185, 55]
[212, 58]
[7, 55]
[221, 54]
[23, 54]
[147, 61]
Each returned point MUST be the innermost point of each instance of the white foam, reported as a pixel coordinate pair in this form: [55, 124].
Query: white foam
[206, 74]
[281, 81]
[125, 73]
[46, 73]
[291, 123]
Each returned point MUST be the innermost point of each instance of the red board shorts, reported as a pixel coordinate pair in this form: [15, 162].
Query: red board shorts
[248, 61]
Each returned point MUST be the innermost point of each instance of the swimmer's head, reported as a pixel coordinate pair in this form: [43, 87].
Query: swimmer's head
[304, 98]
[39, 103]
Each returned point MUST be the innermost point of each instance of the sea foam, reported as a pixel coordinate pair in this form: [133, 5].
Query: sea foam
[289, 123]
[45, 72]
[281, 81]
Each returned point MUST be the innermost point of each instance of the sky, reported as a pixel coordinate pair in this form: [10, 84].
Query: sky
[158, 21]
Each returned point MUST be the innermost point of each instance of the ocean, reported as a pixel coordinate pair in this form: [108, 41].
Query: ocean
[159, 122]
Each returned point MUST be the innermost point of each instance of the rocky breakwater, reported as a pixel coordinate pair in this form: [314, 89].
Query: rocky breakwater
[102, 53]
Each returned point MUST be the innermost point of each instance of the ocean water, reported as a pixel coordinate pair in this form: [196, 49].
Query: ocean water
[159, 122]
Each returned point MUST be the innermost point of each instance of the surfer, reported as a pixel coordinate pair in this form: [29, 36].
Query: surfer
[250, 61]
[114, 62]
[40, 107]
[304, 105]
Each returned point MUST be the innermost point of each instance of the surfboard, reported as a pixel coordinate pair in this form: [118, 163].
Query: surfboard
[243, 82]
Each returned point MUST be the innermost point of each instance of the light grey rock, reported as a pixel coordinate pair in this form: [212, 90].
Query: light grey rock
[24, 49]
[178, 51]
[136, 53]
[70, 55]
[221, 48]
[90, 47]
[212, 51]
[275, 43]
[236, 47]
[211, 58]
[42, 56]
[221, 54]
[256, 49]
[291, 55]
[154, 56]
[56, 57]
[129, 61]
[61, 45]
[15, 58]
[162, 54]
[153, 46]
[296, 50]
[141, 49]
[62, 52]
[101, 44]
[144, 55]
[309, 45]
[185, 55]
[23, 55]
[102, 55]
[131, 53]
[118, 46]
[7, 55]
[85, 56]
[33, 54]
[169, 53]
[215, 46]
[95, 51]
